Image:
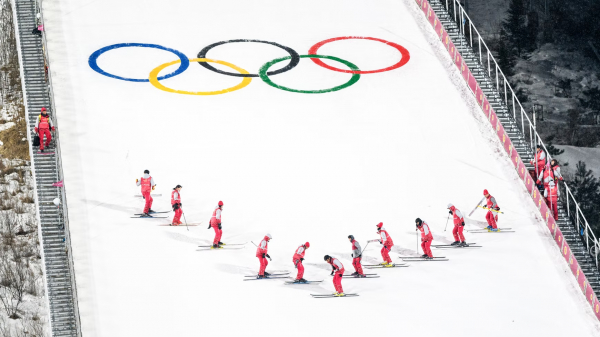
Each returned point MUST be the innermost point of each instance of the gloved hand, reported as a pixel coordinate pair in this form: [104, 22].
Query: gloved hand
[36, 130]
[360, 256]
[380, 242]
[153, 187]
[220, 226]
[331, 273]
[340, 275]
[53, 128]
[352, 255]
[263, 255]
[267, 255]
[463, 223]
[180, 204]
[301, 259]
[450, 212]
[209, 226]
[175, 207]
[497, 208]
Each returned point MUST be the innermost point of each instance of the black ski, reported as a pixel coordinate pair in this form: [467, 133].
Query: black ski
[356, 276]
[224, 244]
[307, 282]
[152, 213]
[379, 266]
[265, 278]
[149, 217]
[211, 248]
[423, 259]
[469, 243]
[278, 274]
[458, 247]
[486, 229]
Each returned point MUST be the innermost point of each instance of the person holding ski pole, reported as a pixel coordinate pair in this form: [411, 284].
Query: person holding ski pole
[43, 124]
[491, 218]
[148, 185]
[298, 258]
[356, 257]
[426, 238]
[539, 161]
[386, 241]
[176, 205]
[337, 271]
[262, 252]
[215, 223]
[459, 226]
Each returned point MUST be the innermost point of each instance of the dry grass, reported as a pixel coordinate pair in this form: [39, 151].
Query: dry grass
[14, 147]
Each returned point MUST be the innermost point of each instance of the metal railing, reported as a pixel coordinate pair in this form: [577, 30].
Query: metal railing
[519, 114]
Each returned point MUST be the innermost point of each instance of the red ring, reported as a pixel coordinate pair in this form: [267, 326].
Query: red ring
[405, 55]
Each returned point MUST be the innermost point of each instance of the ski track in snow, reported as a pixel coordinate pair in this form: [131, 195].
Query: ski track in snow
[392, 147]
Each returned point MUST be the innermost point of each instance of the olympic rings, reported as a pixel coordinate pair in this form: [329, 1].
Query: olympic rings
[154, 73]
[263, 73]
[295, 59]
[93, 61]
[405, 55]
[355, 75]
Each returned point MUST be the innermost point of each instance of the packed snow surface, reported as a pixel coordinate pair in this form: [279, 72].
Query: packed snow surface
[394, 146]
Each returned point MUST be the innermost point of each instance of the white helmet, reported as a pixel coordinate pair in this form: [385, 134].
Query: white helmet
[450, 205]
[269, 236]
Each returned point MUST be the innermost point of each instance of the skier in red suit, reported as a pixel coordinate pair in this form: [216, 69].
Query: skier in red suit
[356, 257]
[147, 183]
[490, 216]
[337, 270]
[176, 205]
[551, 194]
[459, 225]
[539, 161]
[298, 258]
[426, 238]
[551, 172]
[386, 241]
[262, 252]
[43, 124]
[215, 223]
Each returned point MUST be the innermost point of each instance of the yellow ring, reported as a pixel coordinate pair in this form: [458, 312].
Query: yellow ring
[154, 78]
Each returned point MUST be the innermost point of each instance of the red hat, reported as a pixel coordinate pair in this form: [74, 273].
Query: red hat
[485, 192]
[220, 203]
[307, 245]
[379, 225]
[43, 109]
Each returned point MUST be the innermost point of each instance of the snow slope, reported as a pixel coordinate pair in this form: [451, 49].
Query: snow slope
[574, 154]
[394, 146]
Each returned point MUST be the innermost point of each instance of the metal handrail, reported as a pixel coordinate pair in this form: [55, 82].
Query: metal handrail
[534, 138]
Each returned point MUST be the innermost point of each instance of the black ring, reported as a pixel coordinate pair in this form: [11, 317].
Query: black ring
[293, 61]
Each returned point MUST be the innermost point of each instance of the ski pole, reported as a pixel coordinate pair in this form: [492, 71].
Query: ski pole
[184, 219]
[447, 222]
[365, 248]
[417, 235]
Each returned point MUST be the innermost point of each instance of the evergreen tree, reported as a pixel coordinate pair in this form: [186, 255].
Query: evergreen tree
[533, 26]
[592, 101]
[506, 58]
[586, 190]
[553, 150]
[515, 26]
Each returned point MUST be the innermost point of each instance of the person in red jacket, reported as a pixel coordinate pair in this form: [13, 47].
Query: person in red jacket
[551, 193]
[148, 185]
[356, 257]
[386, 241]
[539, 161]
[262, 252]
[176, 205]
[337, 270]
[43, 124]
[298, 258]
[215, 223]
[491, 218]
[426, 238]
[551, 172]
[459, 226]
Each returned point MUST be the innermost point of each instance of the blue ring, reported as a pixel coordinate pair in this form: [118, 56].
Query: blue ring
[93, 61]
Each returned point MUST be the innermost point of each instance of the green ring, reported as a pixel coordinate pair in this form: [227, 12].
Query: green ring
[263, 74]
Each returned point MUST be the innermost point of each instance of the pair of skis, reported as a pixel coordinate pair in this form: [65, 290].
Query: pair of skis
[418, 259]
[394, 265]
[331, 295]
[470, 245]
[223, 246]
[143, 216]
[486, 230]
[366, 276]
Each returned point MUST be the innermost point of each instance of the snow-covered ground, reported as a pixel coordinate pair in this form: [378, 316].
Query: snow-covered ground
[573, 154]
[392, 147]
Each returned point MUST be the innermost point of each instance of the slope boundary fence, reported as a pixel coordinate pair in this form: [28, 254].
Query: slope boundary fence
[518, 135]
[59, 277]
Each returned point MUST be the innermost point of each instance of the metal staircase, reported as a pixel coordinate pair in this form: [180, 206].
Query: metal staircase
[60, 283]
[455, 23]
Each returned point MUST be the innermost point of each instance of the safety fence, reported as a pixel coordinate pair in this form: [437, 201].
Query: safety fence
[512, 125]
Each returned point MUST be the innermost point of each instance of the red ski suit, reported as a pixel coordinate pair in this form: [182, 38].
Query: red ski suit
[42, 128]
[386, 241]
[298, 255]
[426, 238]
[215, 223]
[549, 173]
[147, 182]
[551, 194]
[459, 225]
[356, 251]
[492, 218]
[263, 249]
[176, 199]
[338, 270]
[539, 161]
